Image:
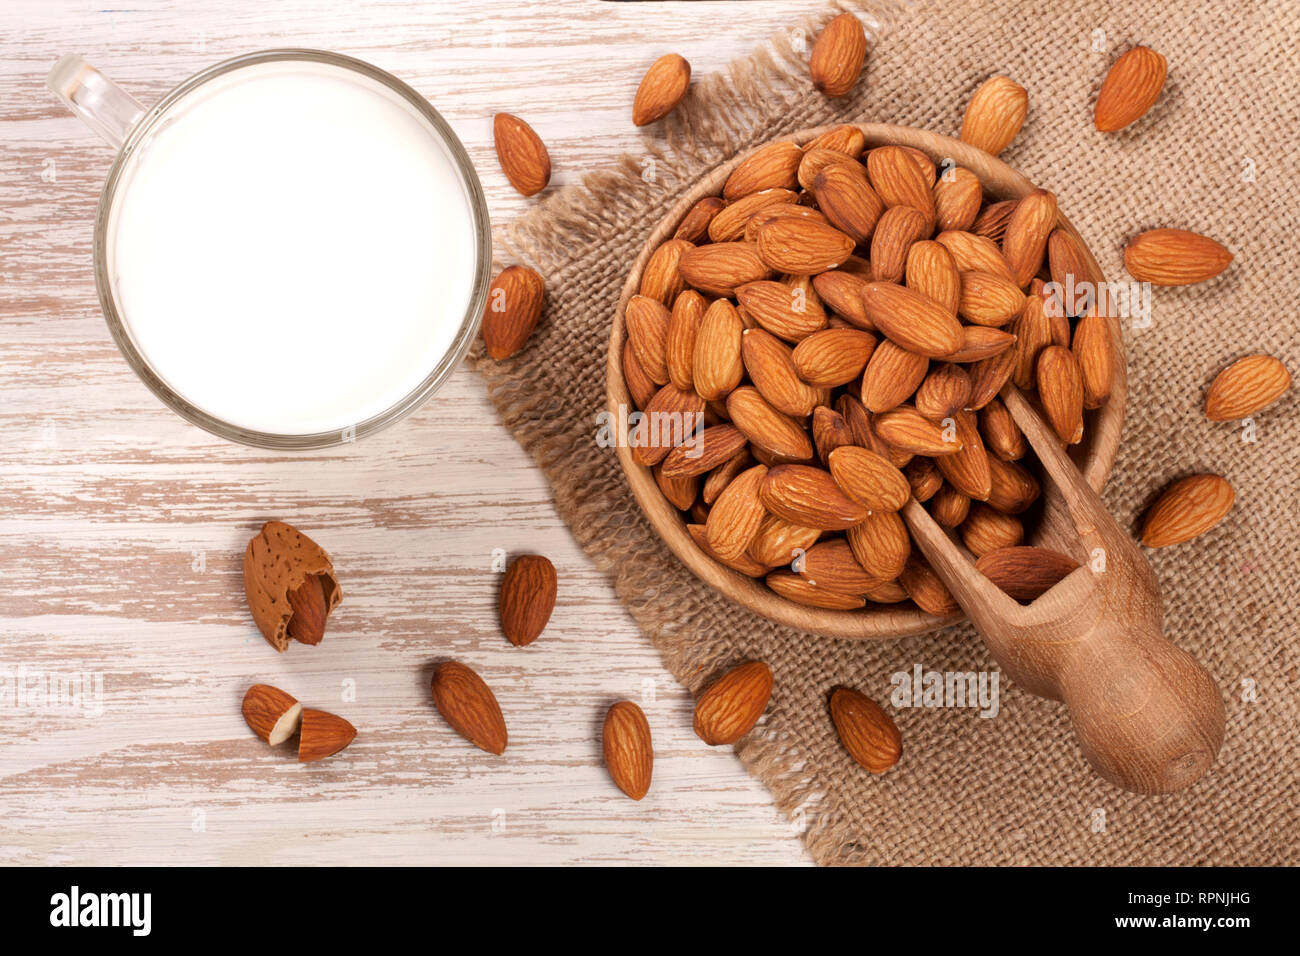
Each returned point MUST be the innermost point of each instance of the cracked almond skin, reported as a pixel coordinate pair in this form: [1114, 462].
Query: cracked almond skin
[868, 733]
[1187, 509]
[522, 154]
[527, 598]
[627, 747]
[280, 564]
[661, 89]
[730, 706]
[1247, 386]
[469, 706]
[1131, 88]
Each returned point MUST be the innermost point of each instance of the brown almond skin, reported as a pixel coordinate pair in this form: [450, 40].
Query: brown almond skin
[794, 588]
[280, 559]
[322, 734]
[522, 154]
[527, 598]
[513, 309]
[995, 114]
[661, 89]
[628, 750]
[1174, 257]
[1186, 510]
[307, 625]
[694, 226]
[1060, 387]
[868, 733]
[1247, 386]
[730, 706]
[838, 55]
[263, 707]
[469, 706]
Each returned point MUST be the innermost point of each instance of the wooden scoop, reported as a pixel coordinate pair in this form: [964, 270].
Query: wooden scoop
[1148, 717]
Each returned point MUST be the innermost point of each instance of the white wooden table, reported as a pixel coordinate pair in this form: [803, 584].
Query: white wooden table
[122, 527]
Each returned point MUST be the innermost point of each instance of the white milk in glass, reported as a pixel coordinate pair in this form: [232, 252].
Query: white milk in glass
[293, 249]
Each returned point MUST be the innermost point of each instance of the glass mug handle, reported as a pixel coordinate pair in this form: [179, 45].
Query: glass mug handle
[99, 102]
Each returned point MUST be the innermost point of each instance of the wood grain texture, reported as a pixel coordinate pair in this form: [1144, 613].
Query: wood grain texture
[122, 527]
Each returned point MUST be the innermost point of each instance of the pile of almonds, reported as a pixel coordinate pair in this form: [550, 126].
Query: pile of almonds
[842, 320]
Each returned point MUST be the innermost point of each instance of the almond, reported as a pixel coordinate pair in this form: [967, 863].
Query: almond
[1025, 573]
[802, 246]
[923, 476]
[869, 479]
[809, 497]
[815, 160]
[949, 507]
[846, 138]
[679, 345]
[906, 428]
[527, 598]
[629, 754]
[522, 154]
[779, 542]
[1002, 435]
[660, 279]
[899, 181]
[1033, 331]
[987, 376]
[1187, 509]
[1095, 354]
[1174, 257]
[695, 224]
[972, 253]
[469, 706]
[988, 299]
[930, 271]
[945, 391]
[647, 329]
[1247, 386]
[735, 518]
[794, 588]
[830, 564]
[280, 565]
[681, 492]
[788, 312]
[987, 529]
[842, 291]
[1054, 309]
[957, 197]
[995, 114]
[723, 475]
[514, 307]
[892, 375]
[774, 371]
[968, 469]
[776, 210]
[980, 342]
[899, 228]
[891, 592]
[717, 366]
[720, 268]
[1131, 87]
[769, 430]
[271, 713]
[846, 198]
[661, 89]
[838, 55]
[881, 544]
[322, 734]
[733, 220]
[671, 417]
[992, 221]
[1013, 489]
[639, 385]
[730, 706]
[742, 564]
[866, 732]
[829, 431]
[774, 166]
[833, 357]
[708, 450]
[911, 320]
[1025, 242]
[1068, 266]
[1060, 388]
[925, 589]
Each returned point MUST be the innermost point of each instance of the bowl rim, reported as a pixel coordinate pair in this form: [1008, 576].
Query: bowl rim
[1095, 457]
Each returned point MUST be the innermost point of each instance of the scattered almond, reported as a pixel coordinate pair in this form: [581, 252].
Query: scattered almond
[1187, 509]
[730, 706]
[527, 598]
[661, 89]
[995, 114]
[1247, 386]
[1131, 87]
[838, 55]
[290, 585]
[271, 713]
[322, 734]
[514, 307]
[469, 706]
[1174, 257]
[867, 732]
[522, 154]
[629, 754]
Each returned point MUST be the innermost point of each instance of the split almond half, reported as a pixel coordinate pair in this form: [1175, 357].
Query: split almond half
[271, 713]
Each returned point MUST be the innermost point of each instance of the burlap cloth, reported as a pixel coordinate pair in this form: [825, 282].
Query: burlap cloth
[1216, 155]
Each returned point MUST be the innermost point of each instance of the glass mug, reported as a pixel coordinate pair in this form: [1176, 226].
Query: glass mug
[292, 249]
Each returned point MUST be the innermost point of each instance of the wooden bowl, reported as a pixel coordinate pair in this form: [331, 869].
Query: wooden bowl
[1095, 454]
